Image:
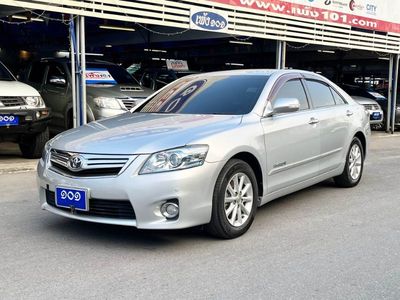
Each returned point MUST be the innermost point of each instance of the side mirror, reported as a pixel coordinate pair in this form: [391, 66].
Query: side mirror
[282, 106]
[58, 81]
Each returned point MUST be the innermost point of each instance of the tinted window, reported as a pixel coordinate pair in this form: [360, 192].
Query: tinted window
[56, 71]
[37, 72]
[228, 95]
[119, 74]
[320, 94]
[338, 99]
[147, 80]
[293, 89]
[5, 74]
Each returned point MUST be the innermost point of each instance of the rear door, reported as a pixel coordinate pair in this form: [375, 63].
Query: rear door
[334, 116]
[291, 139]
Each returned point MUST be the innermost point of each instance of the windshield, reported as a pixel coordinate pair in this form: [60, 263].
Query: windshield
[5, 74]
[225, 95]
[98, 73]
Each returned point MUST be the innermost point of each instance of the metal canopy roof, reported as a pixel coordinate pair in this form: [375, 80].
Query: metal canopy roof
[242, 21]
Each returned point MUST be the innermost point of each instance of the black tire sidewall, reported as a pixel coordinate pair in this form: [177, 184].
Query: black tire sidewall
[231, 168]
[353, 182]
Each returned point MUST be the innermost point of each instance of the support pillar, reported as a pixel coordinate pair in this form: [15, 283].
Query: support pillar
[280, 54]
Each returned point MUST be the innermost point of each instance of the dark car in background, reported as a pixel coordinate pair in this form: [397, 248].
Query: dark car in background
[110, 89]
[156, 79]
[354, 90]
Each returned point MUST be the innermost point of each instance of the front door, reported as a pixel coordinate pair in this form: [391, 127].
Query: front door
[292, 140]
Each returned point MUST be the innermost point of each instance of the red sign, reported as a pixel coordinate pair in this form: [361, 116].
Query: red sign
[356, 15]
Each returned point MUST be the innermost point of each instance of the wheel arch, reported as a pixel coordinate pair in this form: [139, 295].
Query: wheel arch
[253, 162]
[363, 141]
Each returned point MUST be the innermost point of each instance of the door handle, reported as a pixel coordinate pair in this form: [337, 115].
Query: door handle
[349, 113]
[313, 121]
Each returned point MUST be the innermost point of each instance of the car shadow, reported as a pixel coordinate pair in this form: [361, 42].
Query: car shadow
[104, 234]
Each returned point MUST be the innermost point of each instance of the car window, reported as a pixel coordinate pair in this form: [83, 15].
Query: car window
[114, 73]
[293, 89]
[55, 71]
[146, 80]
[338, 99]
[37, 72]
[227, 95]
[5, 74]
[320, 93]
[165, 77]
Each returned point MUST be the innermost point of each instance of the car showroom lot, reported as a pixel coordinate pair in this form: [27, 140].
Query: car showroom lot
[322, 242]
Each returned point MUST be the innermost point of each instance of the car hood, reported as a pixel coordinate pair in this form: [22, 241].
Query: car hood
[363, 100]
[16, 88]
[140, 133]
[118, 91]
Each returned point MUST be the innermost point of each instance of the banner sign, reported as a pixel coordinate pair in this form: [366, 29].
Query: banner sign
[378, 15]
[208, 20]
[99, 76]
[177, 65]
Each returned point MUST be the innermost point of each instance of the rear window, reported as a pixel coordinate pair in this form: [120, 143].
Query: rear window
[37, 72]
[225, 95]
[5, 74]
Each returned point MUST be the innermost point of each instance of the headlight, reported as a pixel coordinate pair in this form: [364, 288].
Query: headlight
[35, 101]
[45, 151]
[175, 159]
[104, 102]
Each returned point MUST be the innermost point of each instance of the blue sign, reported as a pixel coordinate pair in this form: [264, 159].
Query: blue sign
[75, 199]
[9, 120]
[207, 20]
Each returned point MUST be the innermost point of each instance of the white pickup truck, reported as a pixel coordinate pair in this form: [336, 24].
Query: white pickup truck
[24, 117]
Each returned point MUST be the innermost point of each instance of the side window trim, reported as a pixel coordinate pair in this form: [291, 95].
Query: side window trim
[341, 97]
[309, 93]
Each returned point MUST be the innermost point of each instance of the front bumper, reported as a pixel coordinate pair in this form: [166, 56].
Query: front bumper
[192, 188]
[31, 121]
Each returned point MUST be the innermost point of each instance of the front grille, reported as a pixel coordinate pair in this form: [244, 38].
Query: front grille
[12, 101]
[118, 209]
[371, 106]
[91, 164]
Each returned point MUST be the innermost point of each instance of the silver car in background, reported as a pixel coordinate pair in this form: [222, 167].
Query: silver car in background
[374, 109]
[207, 149]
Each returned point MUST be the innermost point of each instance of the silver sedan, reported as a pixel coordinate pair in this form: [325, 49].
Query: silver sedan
[207, 149]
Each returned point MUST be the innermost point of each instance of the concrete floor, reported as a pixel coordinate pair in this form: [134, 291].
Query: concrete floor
[323, 243]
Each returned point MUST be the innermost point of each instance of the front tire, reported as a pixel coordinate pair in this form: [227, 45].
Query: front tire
[354, 166]
[31, 146]
[234, 200]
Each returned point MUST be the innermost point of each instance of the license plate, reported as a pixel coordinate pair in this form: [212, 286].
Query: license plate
[75, 199]
[375, 116]
[9, 120]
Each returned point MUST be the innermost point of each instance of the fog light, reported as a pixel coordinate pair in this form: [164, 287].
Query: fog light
[170, 210]
[37, 115]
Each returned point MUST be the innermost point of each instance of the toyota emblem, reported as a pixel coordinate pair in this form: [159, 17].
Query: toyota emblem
[75, 163]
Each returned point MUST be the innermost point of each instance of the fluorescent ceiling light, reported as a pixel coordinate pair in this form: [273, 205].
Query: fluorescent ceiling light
[108, 46]
[384, 58]
[155, 50]
[326, 51]
[18, 17]
[116, 28]
[241, 43]
[234, 64]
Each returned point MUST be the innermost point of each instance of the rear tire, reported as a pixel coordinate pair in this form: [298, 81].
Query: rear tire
[31, 146]
[354, 166]
[234, 201]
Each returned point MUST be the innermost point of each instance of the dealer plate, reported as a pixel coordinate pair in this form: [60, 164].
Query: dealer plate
[73, 198]
[9, 120]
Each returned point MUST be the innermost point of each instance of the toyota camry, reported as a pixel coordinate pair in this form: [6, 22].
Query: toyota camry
[207, 149]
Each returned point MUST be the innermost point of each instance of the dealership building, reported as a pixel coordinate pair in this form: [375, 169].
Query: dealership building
[349, 41]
